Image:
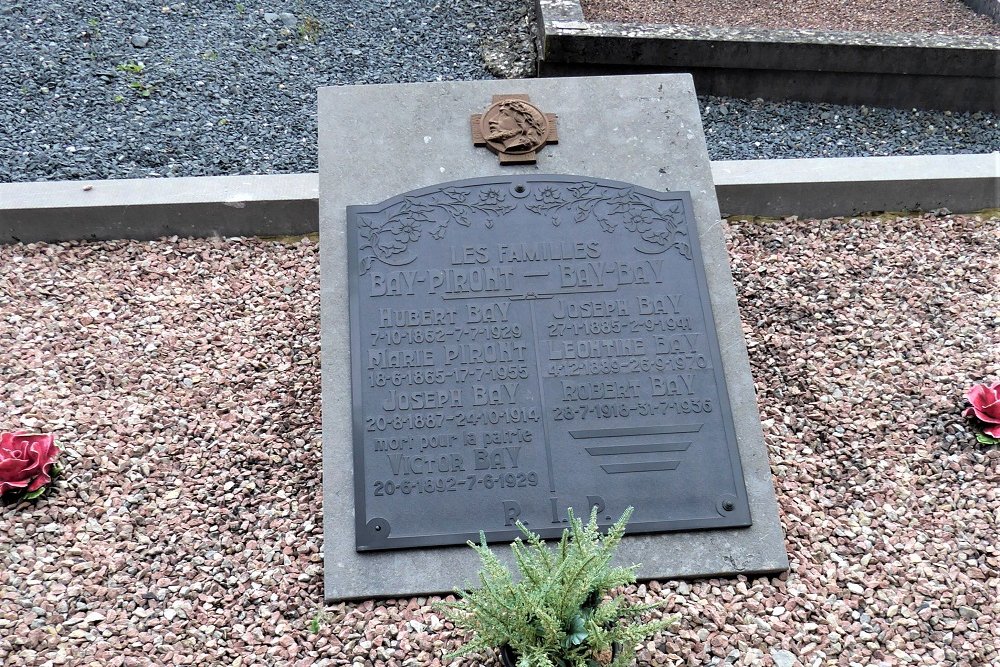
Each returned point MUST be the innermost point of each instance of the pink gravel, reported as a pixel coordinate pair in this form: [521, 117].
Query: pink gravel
[182, 377]
[946, 17]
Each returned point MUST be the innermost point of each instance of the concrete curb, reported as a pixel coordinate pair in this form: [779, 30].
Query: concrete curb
[829, 187]
[287, 204]
[145, 209]
[897, 70]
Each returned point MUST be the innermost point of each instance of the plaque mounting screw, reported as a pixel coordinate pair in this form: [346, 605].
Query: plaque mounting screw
[728, 505]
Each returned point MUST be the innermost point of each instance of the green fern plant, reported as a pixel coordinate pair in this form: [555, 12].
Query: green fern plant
[560, 612]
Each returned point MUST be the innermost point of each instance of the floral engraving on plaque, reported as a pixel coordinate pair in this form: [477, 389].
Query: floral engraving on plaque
[390, 235]
[389, 240]
[659, 228]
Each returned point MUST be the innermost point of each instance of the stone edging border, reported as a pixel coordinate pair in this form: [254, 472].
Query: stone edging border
[897, 70]
[287, 205]
[150, 208]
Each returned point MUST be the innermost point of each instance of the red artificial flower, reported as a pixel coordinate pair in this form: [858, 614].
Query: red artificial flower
[26, 461]
[985, 402]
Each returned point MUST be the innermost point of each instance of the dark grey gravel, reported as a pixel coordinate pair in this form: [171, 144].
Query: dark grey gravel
[744, 129]
[129, 89]
[221, 86]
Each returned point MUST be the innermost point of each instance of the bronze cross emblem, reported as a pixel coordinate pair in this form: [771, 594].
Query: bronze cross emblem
[514, 129]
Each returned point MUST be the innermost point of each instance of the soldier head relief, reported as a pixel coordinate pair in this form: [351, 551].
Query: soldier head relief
[517, 125]
[513, 128]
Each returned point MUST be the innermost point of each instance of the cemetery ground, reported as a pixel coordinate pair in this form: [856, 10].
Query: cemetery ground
[182, 379]
[224, 88]
[952, 17]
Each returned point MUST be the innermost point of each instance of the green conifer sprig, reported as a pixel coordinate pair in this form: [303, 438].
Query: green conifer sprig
[559, 612]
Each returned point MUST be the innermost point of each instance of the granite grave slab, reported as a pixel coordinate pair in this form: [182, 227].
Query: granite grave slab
[564, 426]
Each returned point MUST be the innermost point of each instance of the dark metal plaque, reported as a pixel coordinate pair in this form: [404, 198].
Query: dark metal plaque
[521, 345]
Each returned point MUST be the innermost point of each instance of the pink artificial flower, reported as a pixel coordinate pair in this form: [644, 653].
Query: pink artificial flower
[26, 461]
[985, 402]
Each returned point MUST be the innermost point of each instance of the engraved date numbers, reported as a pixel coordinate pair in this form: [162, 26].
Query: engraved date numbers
[423, 335]
[635, 326]
[494, 417]
[636, 364]
[510, 480]
[398, 422]
[621, 410]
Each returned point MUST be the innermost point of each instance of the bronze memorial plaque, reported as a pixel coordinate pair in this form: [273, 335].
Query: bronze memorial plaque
[525, 344]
